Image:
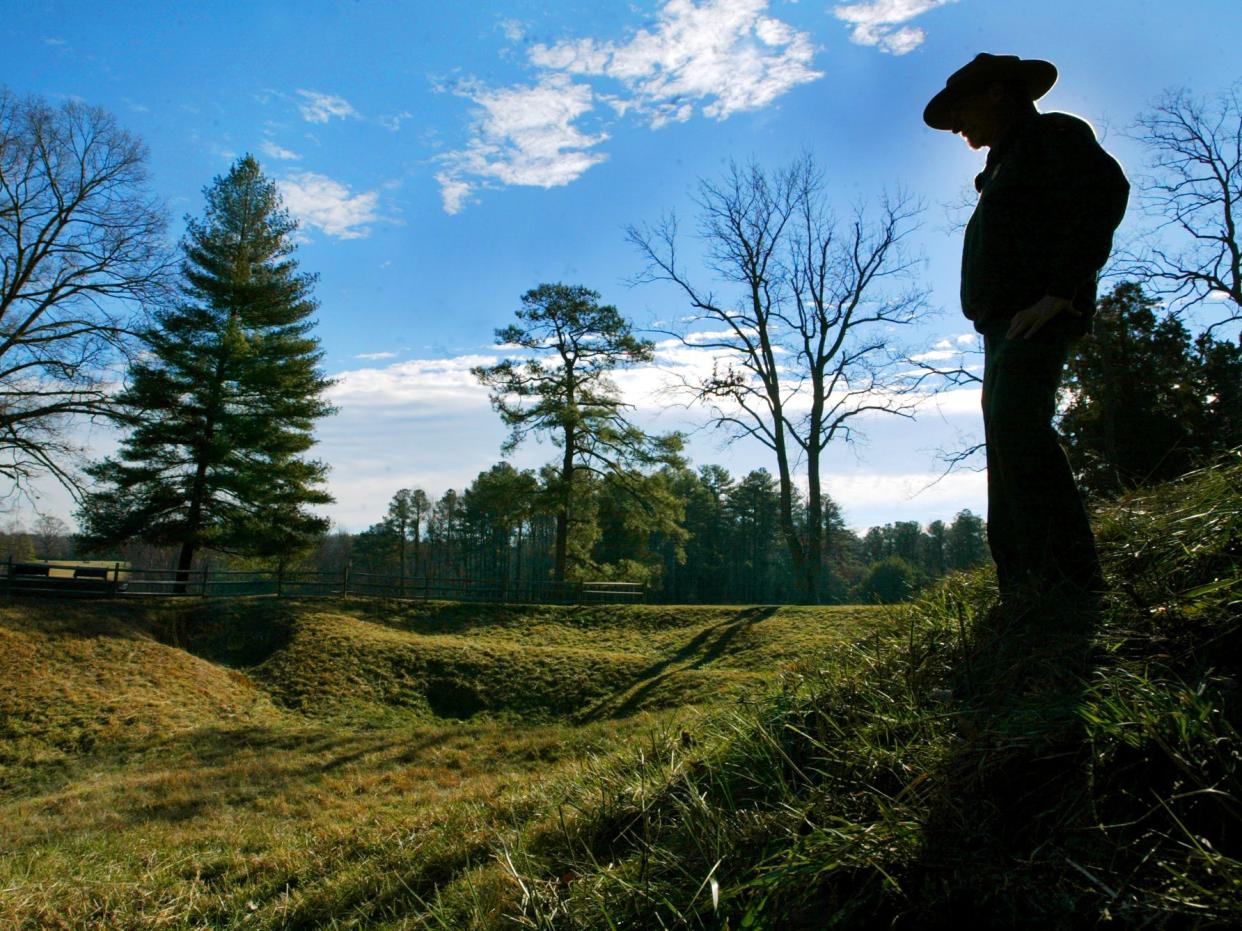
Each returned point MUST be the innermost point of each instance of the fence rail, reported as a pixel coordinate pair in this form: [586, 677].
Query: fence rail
[102, 579]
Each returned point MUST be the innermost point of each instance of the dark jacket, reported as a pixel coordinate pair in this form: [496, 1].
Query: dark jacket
[1049, 200]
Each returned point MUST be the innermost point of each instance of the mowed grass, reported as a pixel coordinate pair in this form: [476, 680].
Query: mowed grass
[337, 763]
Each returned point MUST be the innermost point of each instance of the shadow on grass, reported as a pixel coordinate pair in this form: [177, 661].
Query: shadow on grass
[1016, 787]
[197, 774]
[705, 647]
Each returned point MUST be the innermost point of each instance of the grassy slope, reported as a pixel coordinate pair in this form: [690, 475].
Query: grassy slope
[282, 764]
[942, 766]
[974, 769]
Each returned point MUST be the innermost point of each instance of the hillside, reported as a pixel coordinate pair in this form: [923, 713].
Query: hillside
[181, 763]
[319, 763]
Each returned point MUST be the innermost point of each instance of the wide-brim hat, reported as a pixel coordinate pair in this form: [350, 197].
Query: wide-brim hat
[1033, 75]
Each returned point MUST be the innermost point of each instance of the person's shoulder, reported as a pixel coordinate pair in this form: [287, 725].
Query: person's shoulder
[1065, 124]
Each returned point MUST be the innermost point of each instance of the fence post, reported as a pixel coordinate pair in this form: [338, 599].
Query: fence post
[206, 570]
[426, 588]
[116, 578]
[345, 579]
[8, 578]
[280, 580]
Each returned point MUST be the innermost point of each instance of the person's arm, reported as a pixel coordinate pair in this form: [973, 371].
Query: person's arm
[1084, 194]
[1086, 199]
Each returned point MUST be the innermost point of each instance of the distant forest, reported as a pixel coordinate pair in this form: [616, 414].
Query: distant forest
[701, 537]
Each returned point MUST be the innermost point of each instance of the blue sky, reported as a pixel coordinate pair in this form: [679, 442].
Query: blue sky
[445, 158]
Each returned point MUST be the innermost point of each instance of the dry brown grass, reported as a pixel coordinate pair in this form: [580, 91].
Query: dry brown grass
[279, 765]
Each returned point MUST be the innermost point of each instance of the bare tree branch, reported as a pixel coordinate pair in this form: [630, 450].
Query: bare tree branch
[1194, 189]
[82, 252]
[808, 333]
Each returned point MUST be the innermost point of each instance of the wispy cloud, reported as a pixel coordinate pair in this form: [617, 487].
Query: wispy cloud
[513, 29]
[375, 356]
[319, 108]
[328, 205]
[714, 57]
[430, 387]
[272, 150]
[394, 121]
[522, 135]
[882, 23]
[726, 56]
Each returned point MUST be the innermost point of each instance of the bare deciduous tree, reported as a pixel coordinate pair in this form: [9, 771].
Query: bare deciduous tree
[808, 345]
[1195, 188]
[81, 248]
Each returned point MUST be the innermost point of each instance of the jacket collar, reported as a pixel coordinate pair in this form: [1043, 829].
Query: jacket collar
[997, 152]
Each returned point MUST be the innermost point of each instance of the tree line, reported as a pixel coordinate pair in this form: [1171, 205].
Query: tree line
[716, 540]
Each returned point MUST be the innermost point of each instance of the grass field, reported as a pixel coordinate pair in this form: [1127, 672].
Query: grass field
[363, 764]
[282, 764]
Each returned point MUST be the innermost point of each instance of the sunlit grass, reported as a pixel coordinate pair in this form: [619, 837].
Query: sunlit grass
[264, 764]
[298, 764]
[962, 767]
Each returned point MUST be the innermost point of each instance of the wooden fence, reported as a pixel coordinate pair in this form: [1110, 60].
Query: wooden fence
[96, 579]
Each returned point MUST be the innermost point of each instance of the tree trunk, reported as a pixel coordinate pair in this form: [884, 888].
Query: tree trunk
[194, 520]
[184, 561]
[562, 514]
[813, 553]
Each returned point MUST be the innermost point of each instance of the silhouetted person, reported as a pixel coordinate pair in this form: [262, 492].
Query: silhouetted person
[1049, 200]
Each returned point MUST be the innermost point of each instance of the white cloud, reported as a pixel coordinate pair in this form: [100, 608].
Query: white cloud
[959, 402]
[319, 108]
[940, 353]
[272, 150]
[881, 23]
[522, 135]
[328, 205]
[717, 56]
[513, 29]
[724, 55]
[867, 491]
[393, 123]
[375, 356]
[420, 387]
[454, 191]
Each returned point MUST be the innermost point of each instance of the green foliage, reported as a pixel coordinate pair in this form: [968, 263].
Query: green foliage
[223, 405]
[1147, 402]
[16, 543]
[564, 391]
[889, 581]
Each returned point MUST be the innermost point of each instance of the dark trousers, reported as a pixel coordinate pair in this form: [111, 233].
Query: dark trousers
[1038, 531]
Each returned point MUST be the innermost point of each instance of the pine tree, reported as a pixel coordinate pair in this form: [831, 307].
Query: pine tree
[223, 405]
[1147, 400]
[570, 396]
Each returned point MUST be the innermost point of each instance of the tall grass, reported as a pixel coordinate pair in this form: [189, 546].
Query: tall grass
[944, 764]
[1053, 767]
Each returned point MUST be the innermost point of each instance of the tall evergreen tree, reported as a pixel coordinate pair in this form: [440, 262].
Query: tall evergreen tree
[223, 405]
